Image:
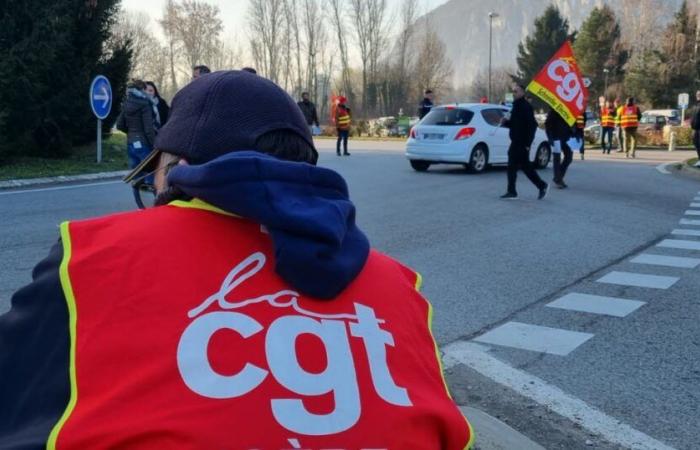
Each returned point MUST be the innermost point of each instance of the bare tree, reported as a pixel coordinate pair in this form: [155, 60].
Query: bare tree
[266, 21]
[228, 56]
[171, 16]
[338, 19]
[314, 36]
[135, 27]
[434, 67]
[198, 31]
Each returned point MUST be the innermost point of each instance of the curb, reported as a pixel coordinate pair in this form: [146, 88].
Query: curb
[493, 434]
[8, 184]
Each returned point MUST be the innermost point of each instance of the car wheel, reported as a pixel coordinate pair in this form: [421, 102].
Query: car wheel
[420, 166]
[542, 157]
[479, 159]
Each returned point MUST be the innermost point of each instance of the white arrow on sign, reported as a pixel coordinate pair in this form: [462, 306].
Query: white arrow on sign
[587, 82]
[104, 96]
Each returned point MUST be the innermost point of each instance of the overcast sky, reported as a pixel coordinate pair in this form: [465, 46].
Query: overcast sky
[233, 12]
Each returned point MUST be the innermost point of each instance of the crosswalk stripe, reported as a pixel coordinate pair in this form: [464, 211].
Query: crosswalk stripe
[535, 338]
[692, 212]
[596, 304]
[638, 280]
[669, 261]
[695, 205]
[677, 243]
[689, 222]
[684, 232]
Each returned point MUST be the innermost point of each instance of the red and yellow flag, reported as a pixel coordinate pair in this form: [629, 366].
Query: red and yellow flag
[560, 85]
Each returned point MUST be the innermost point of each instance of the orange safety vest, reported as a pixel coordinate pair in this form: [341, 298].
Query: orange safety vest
[607, 120]
[184, 337]
[629, 117]
[342, 120]
[580, 123]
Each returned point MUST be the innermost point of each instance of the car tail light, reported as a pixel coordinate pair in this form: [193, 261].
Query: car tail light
[413, 133]
[465, 133]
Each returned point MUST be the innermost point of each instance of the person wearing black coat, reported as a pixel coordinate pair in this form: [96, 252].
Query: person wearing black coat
[522, 126]
[308, 109]
[426, 104]
[695, 125]
[137, 120]
[162, 107]
[558, 133]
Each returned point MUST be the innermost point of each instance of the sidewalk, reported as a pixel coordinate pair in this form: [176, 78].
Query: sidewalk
[492, 434]
[62, 179]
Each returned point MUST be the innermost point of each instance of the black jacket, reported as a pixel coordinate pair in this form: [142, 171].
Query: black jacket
[308, 109]
[522, 124]
[424, 107]
[556, 127]
[136, 119]
[695, 121]
[163, 111]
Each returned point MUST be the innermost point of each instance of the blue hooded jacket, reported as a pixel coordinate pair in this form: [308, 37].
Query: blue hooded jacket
[319, 249]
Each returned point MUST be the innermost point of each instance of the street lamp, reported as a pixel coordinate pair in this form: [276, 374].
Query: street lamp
[492, 15]
[606, 71]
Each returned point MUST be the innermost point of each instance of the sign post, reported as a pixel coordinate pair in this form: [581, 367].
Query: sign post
[683, 102]
[101, 104]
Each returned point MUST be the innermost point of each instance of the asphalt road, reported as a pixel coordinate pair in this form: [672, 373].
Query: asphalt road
[489, 263]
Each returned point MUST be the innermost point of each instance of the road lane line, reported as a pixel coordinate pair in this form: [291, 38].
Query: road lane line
[689, 222]
[535, 338]
[553, 398]
[668, 261]
[677, 243]
[638, 280]
[695, 205]
[684, 232]
[663, 167]
[60, 188]
[692, 212]
[596, 304]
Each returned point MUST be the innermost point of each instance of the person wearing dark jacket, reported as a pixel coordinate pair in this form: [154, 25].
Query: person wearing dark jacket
[426, 104]
[162, 107]
[138, 122]
[187, 325]
[695, 125]
[522, 126]
[308, 109]
[558, 133]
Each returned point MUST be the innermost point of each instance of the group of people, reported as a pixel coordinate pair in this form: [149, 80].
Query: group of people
[342, 117]
[621, 121]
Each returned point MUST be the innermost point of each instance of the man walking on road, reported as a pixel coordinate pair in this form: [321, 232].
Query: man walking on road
[522, 125]
[695, 125]
[618, 107]
[343, 118]
[607, 124]
[629, 121]
[426, 104]
[558, 134]
[308, 109]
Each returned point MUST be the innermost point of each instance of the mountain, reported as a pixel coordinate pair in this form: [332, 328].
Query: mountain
[463, 25]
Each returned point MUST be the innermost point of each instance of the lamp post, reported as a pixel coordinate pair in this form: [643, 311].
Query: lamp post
[492, 15]
[606, 71]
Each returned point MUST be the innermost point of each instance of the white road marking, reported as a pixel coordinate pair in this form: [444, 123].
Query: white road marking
[668, 261]
[684, 232]
[639, 280]
[692, 212]
[596, 304]
[592, 419]
[535, 338]
[695, 205]
[60, 188]
[689, 222]
[663, 168]
[677, 243]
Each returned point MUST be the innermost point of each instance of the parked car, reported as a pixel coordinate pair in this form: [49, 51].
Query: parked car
[654, 120]
[468, 134]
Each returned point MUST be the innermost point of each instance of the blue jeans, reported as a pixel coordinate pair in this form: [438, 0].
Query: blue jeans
[607, 131]
[136, 155]
[342, 137]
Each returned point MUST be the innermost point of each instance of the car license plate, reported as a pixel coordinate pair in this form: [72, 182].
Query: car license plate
[433, 136]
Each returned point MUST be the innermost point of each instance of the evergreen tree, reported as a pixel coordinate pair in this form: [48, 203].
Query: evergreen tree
[598, 47]
[49, 53]
[551, 31]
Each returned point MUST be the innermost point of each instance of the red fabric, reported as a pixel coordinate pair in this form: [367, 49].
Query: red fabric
[136, 276]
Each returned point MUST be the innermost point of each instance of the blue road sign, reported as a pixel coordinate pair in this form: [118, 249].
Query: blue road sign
[101, 97]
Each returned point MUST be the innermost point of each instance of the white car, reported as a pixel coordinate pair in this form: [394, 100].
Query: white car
[469, 134]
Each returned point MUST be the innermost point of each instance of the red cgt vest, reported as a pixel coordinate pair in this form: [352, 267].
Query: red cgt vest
[183, 337]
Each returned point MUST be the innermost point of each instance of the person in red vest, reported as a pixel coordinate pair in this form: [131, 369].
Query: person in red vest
[607, 124]
[629, 121]
[579, 128]
[246, 311]
[343, 117]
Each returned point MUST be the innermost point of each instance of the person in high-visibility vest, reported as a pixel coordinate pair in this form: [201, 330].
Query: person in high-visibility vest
[246, 311]
[343, 117]
[619, 134]
[607, 124]
[629, 121]
[579, 128]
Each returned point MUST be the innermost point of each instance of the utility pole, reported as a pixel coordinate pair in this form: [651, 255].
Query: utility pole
[606, 71]
[491, 17]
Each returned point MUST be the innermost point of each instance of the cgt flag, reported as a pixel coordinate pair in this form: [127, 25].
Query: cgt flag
[560, 85]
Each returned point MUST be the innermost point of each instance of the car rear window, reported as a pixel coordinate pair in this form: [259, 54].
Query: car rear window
[448, 116]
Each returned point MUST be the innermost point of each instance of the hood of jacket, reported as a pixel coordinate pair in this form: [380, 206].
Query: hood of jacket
[136, 100]
[319, 250]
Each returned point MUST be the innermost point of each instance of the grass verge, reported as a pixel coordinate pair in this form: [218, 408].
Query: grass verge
[82, 160]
